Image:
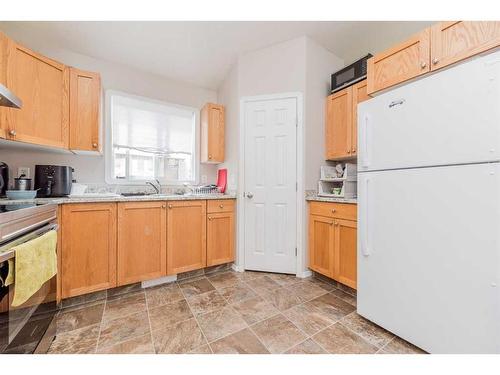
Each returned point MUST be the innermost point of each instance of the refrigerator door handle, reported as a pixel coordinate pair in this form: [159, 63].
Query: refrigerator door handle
[365, 246]
[365, 123]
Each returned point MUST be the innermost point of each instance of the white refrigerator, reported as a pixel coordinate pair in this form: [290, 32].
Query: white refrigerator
[429, 209]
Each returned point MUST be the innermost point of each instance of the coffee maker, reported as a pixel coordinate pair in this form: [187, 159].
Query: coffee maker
[4, 178]
[53, 180]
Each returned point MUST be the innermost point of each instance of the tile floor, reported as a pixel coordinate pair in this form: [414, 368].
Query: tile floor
[226, 312]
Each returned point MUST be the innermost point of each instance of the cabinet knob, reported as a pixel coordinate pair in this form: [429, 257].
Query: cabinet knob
[163, 206]
[353, 150]
[435, 60]
[12, 132]
[169, 206]
[210, 156]
[333, 210]
[423, 64]
[221, 206]
[209, 218]
[336, 223]
[94, 145]
[331, 223]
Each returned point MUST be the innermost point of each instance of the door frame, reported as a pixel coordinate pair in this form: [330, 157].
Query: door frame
[301, 269]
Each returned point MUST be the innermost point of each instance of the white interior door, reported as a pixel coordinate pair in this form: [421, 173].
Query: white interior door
[270, 177]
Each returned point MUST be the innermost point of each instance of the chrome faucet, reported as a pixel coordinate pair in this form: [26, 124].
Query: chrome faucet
[157, 188]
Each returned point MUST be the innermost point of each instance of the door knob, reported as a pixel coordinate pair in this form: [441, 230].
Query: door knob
[12, 133]
[249, 195]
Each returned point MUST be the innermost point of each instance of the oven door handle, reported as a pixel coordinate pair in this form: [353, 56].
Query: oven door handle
[6, 253]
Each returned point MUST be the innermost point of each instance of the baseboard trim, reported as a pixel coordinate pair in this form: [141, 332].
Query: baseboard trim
[237, 268]
[304, 274]
[159, 281]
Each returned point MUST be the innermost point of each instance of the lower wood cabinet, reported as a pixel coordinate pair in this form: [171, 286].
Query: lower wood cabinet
[186, 236]
[220, 238]
[142, 241]
[103, 245]
[333, 241]
[88, 250]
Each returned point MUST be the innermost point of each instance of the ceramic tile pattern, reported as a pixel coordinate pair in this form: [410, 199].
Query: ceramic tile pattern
[223, 312]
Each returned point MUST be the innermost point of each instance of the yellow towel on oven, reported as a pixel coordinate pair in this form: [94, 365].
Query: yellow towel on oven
[35, 263]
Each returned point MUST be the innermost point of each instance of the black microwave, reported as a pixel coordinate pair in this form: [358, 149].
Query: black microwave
[350, 74]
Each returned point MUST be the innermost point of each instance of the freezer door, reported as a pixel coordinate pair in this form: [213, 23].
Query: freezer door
[450, 117]
[429, 255]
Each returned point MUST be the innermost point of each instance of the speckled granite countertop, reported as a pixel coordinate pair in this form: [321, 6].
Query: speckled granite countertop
[316, 198]
[119, 198]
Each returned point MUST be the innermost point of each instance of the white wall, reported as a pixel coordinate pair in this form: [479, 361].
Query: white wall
[299, 65]
[228, 94]
[320, 64]
[90, 169]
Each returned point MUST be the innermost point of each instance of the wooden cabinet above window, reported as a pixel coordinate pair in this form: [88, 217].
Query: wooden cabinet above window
[84, 99]
[212, 133]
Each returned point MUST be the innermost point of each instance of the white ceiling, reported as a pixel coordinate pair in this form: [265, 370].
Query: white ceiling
[201, 53]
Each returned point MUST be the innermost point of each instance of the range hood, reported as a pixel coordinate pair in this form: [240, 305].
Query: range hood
[8, 99]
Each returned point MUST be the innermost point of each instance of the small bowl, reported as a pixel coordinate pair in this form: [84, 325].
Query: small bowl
[21, 194]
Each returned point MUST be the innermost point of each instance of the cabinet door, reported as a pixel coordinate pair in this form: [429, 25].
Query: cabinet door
[212, 133]
[4, 44]
[345, 269]
[321, 245]
[84, 99]
[359, 94]
[43, 86]
[220, 238]
[88, 248]
[339, 124]
[142, 241]
[186, 236]
[454, 41]
[400, 63]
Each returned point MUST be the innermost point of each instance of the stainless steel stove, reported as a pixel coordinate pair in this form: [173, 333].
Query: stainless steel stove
[28, 328]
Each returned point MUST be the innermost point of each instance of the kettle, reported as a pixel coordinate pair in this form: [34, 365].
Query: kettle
[22, 183]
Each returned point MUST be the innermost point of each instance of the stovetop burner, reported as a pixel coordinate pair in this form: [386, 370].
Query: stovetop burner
[18, 206]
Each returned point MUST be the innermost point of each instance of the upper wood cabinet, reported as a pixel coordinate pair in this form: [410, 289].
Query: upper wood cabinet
[338, 124]
[212, 133]
[142, 241]
[359, 94]
[438, 46]
[84, 99]
[400, 63]
[186, 236]
[43, 86]
[341, 128]
[220, 232]
[88, 250]
[455, 41]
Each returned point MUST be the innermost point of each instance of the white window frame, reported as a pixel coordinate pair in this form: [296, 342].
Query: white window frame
[108, 145]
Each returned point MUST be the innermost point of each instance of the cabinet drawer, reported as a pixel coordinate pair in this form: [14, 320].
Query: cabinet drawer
[220, 205]
[335, 210]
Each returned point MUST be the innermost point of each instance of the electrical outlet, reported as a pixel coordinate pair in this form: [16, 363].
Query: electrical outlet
[23, 170]
[203, 178]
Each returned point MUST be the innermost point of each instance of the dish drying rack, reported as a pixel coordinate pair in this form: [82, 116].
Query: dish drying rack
[205, 190]
[346, 181]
